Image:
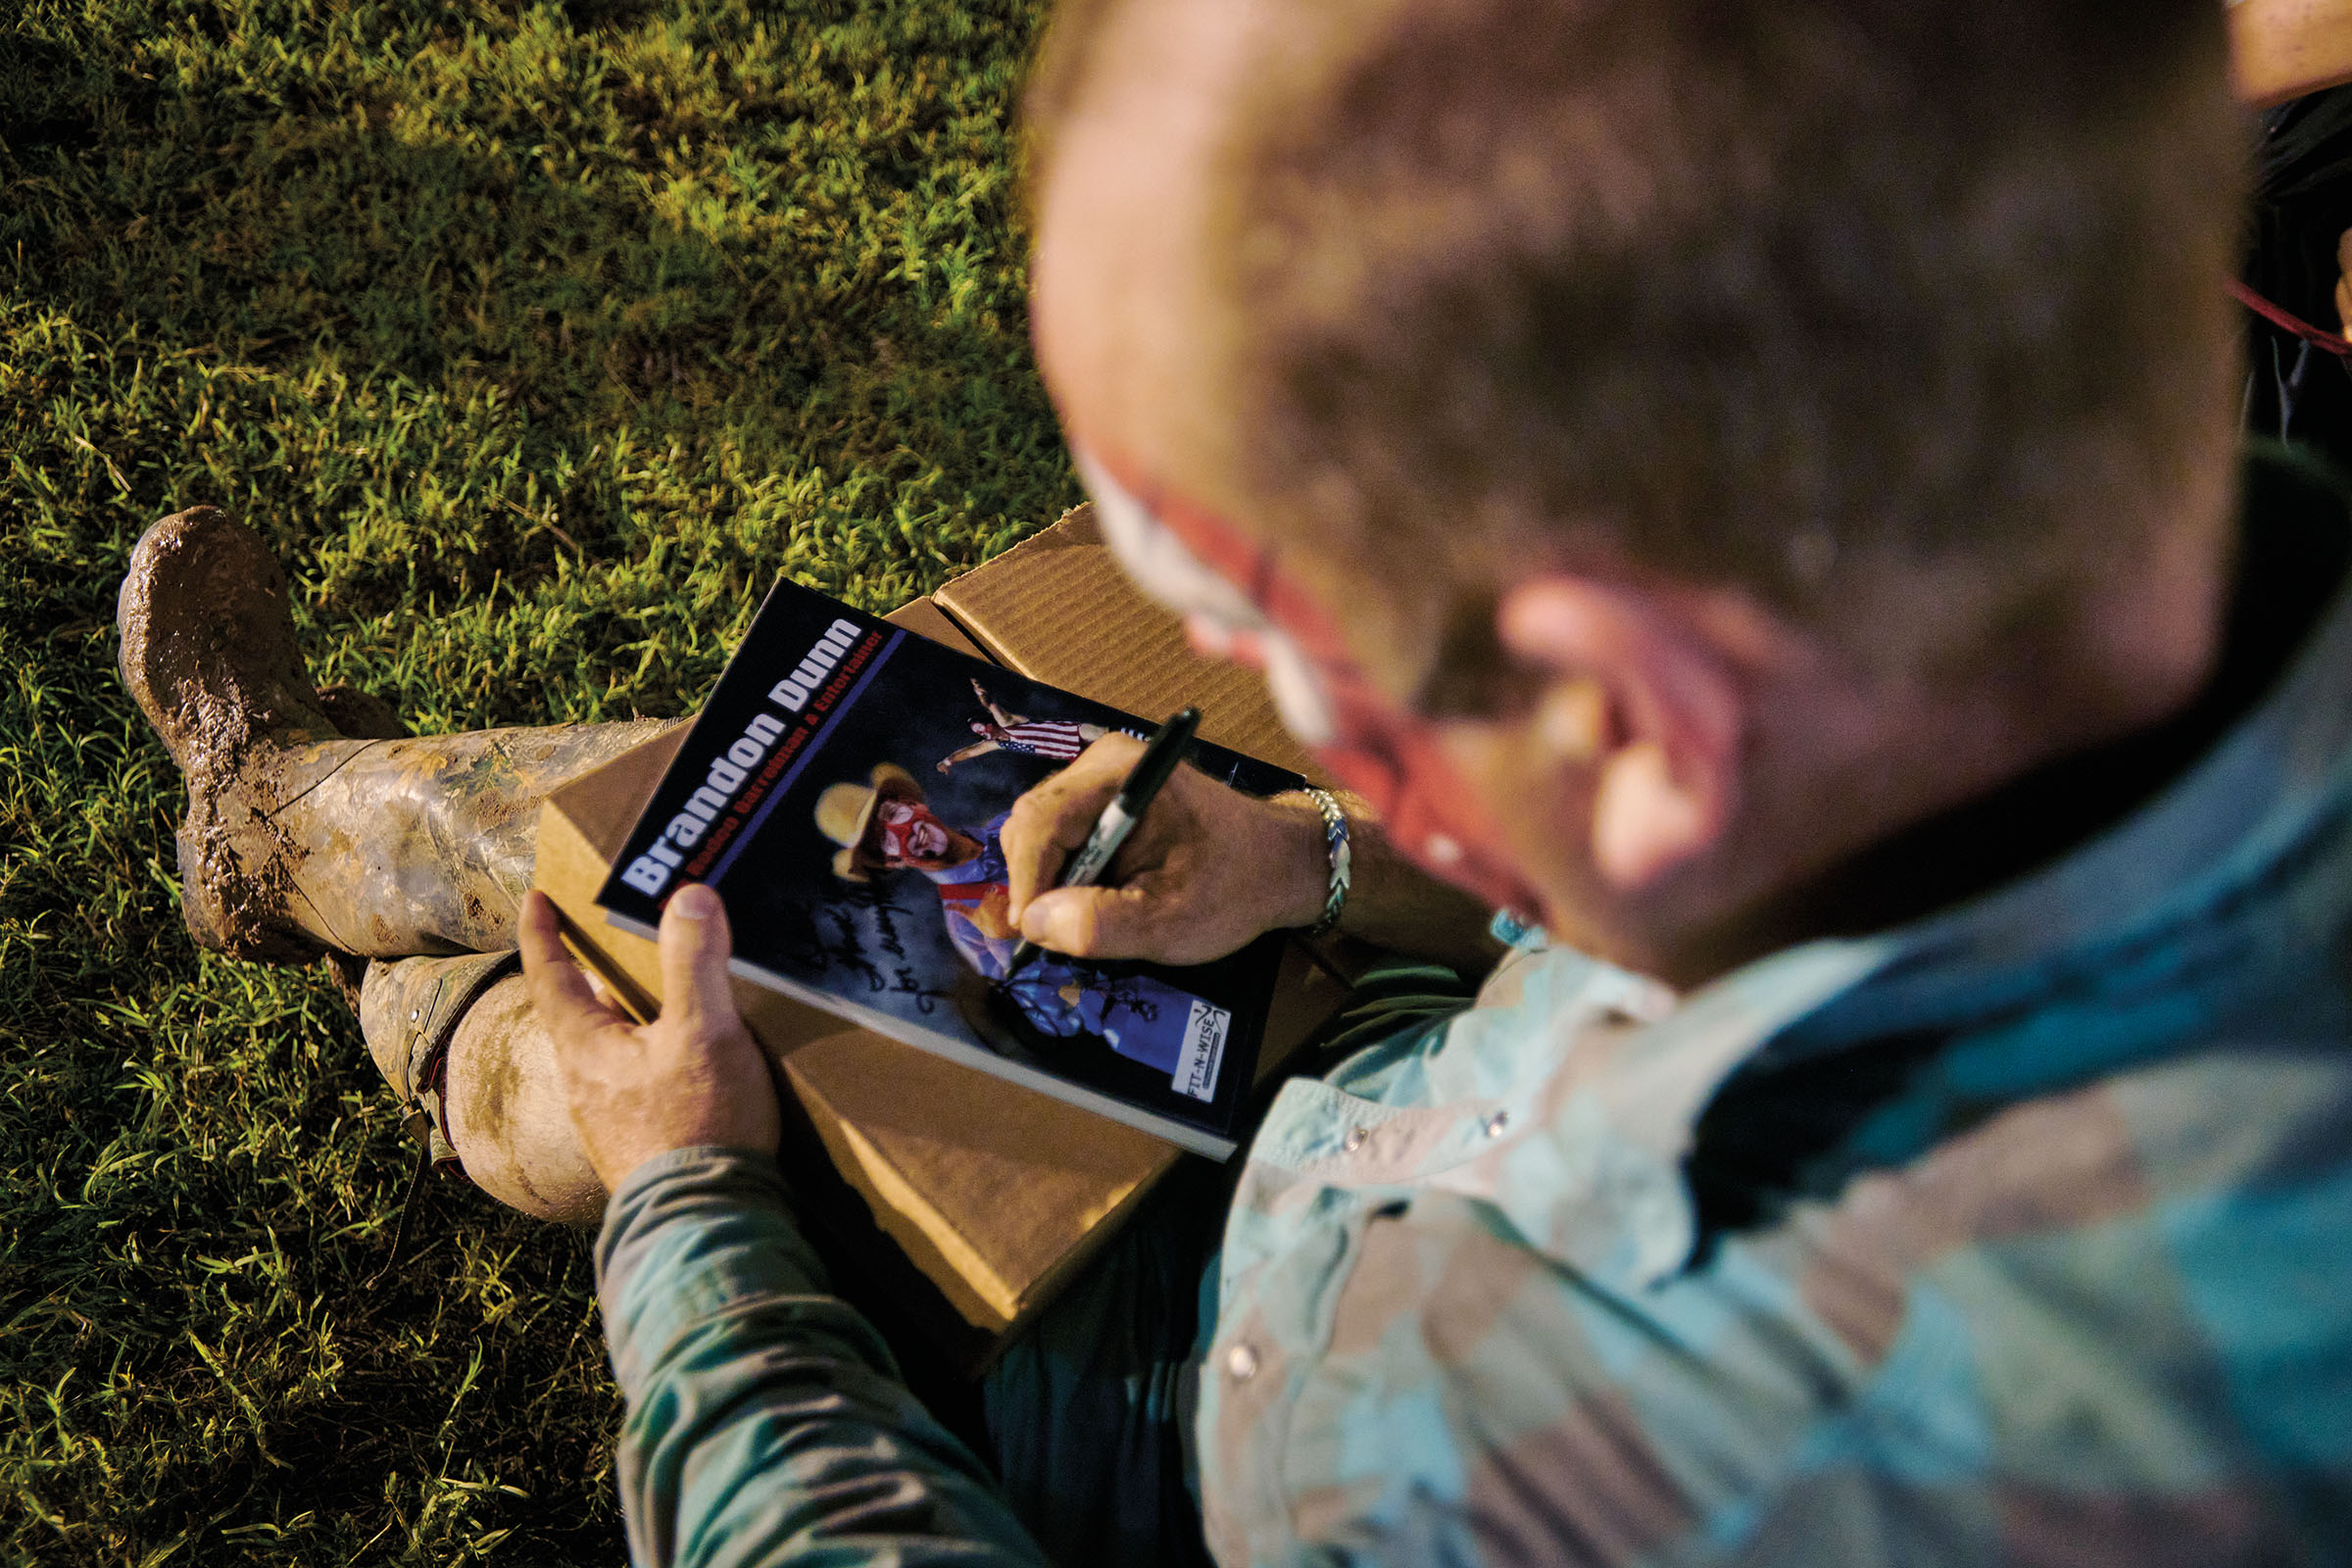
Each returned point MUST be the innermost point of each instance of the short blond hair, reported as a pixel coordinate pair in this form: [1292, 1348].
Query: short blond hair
[1769, 293]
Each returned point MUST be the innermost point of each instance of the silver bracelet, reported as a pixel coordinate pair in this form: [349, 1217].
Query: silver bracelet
[1335, 844]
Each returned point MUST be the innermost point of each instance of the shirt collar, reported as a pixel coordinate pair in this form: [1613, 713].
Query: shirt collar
[2249, 836]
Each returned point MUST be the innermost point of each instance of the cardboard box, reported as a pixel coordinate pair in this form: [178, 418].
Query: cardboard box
[994, 1192]
[1056, 608]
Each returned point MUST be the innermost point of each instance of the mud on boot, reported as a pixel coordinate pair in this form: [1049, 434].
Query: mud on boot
[301, 835]
[209, 653]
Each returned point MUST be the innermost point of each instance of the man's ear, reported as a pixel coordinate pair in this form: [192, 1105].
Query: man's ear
[1657, 708]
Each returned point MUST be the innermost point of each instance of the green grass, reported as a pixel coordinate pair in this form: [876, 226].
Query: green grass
[538, 340]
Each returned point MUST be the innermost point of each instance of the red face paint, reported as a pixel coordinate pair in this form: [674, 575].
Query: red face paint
[910, 835]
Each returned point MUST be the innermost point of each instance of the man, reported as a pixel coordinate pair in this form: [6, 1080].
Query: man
[1749, 490]
[884, 825]
[1057, 740]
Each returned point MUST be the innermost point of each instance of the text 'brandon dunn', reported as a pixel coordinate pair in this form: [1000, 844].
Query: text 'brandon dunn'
[648, 873]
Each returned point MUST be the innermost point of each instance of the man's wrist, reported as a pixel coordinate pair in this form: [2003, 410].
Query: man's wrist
[1303, 859]
[654, 1165]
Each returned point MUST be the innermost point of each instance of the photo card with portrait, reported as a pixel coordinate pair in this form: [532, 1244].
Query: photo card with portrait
[843, 791]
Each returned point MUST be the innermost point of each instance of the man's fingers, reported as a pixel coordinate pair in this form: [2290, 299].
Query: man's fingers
[695, 945]
[1054, 819]
[1129, 921]
[2343, 280]
[558, 990]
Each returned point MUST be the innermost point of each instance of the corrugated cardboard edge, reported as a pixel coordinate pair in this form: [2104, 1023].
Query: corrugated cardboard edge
[1057, 609]
[936, 1247]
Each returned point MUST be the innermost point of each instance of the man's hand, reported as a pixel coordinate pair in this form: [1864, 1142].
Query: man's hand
[1206, 870]
[693, 1076]
[2343, 282]
[2282, 49]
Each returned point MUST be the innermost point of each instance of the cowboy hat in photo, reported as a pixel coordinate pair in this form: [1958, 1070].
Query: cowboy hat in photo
[845, 813]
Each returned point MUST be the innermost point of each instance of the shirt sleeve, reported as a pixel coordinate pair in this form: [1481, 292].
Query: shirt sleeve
[766, 1421]
[971, 942]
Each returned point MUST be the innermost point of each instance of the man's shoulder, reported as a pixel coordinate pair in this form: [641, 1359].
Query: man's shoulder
[2140, 1163]
[2116, 1289]
[2256, 1113]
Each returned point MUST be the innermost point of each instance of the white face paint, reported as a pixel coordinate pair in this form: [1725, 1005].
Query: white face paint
[1219, 616]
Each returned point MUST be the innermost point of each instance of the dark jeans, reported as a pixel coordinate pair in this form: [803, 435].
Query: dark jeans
[1089, 1415]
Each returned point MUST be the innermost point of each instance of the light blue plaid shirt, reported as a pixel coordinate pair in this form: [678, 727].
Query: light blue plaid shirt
[2071, 1282]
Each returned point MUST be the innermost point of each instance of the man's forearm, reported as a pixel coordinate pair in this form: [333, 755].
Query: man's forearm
[766, 1422]
[1391, 902]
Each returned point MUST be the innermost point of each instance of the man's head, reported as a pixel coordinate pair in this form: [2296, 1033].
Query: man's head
[1677, 407]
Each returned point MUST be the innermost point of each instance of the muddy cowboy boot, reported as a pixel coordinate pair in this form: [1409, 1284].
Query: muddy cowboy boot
[303, 838]
[300, 839]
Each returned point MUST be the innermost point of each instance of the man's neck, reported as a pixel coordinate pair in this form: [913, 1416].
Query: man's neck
[2291, 562]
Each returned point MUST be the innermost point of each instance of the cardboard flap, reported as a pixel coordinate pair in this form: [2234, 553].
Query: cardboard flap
[604, 803]
[1006, 1186]
[1057, 609]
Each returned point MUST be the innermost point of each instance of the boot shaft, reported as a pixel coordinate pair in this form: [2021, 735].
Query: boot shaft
[383, 848]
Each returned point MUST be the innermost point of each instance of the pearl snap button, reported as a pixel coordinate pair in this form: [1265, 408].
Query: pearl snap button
[1241, 1363]
[1498, 1122]
[1354, 1141]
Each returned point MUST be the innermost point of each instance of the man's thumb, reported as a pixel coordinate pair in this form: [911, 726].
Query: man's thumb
[694, 945]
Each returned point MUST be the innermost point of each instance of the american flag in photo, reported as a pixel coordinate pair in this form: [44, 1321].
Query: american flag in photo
[1051, 738]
